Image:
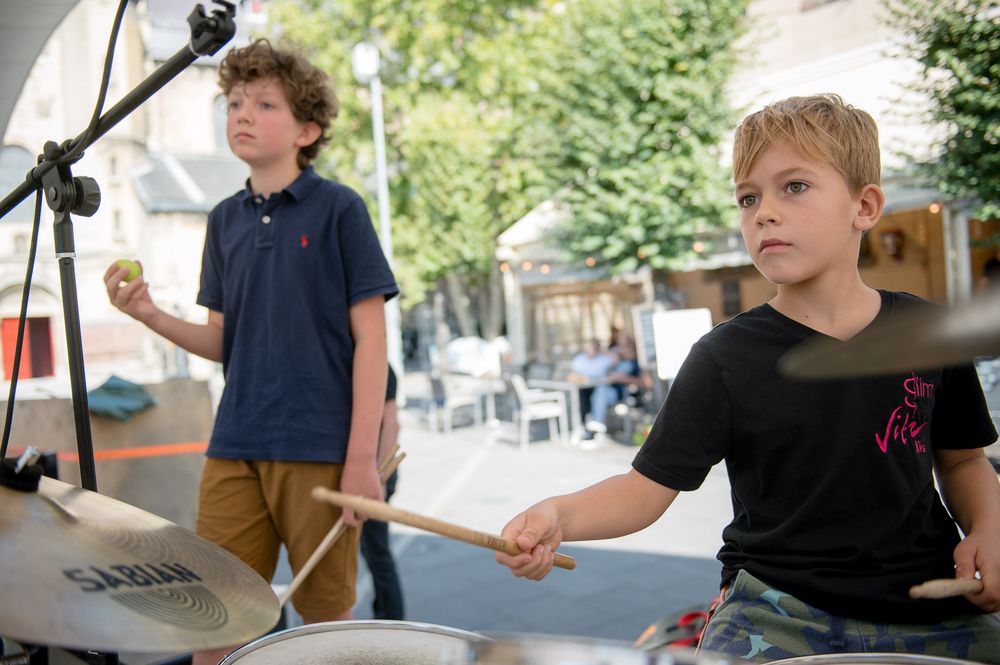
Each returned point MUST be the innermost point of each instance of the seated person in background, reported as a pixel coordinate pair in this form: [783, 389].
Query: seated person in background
[615, 339]
[623, 374]
[991, 273]
[592, 366]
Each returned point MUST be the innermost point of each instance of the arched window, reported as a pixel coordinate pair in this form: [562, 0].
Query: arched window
[15, 162]
[219, 112]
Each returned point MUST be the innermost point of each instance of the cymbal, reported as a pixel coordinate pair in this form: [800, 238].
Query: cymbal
[920, 339]
[85, 571]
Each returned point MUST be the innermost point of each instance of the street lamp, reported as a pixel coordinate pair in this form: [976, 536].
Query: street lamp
[365, 63]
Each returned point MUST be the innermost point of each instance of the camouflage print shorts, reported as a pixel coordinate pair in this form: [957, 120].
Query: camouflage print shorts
[758, 624]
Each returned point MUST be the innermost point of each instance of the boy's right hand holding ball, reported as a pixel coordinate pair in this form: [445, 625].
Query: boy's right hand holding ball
[538, 533]
[128, 291]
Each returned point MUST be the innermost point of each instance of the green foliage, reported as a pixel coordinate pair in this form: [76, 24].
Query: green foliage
[640, 111]
[454, 73]
[957, 43]
[494, 106]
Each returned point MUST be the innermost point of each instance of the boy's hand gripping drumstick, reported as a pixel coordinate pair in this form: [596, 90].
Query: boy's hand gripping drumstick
[946, 588]
[385, 471]
[383, 511]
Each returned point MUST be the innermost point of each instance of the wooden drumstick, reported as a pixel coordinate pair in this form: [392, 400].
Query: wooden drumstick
[385, 471]
[383, 511]
[946, 588]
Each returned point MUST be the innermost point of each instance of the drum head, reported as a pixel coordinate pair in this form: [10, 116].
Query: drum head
[554, 650]
[359, 643]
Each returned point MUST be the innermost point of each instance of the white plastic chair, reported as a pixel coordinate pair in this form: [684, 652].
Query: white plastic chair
[446, 401]
[538, 404]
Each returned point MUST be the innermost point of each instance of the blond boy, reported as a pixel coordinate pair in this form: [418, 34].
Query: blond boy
[836, 514]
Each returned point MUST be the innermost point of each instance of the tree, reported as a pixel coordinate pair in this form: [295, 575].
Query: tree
[956, 44]
[494, 106]
[640, 111]
[454, 73]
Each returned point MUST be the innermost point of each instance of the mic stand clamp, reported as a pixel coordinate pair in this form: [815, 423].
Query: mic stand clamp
[210, 33]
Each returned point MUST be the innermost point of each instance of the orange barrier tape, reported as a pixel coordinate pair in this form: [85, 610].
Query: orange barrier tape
[161, 450]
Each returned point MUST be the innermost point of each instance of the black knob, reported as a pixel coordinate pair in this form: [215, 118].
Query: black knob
[88, 196]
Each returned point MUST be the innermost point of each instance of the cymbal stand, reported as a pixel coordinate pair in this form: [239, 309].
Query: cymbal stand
[68, 195]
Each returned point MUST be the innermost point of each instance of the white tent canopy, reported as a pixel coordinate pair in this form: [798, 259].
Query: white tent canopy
[25, 27]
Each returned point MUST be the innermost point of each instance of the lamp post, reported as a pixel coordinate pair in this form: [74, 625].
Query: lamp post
[365, 63]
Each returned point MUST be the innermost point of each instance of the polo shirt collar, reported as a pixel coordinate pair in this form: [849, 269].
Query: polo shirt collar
[298, 190]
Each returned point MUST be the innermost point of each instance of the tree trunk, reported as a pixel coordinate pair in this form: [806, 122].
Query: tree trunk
[442, 335]
[494, 317]
[459, 301]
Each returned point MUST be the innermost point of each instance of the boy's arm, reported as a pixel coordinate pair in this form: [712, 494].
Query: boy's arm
[203, 339]
[971, 491]
[616, 506]
[368, 381]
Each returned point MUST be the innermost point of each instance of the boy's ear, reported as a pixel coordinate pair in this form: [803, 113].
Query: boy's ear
[309, 134]
[870, 204]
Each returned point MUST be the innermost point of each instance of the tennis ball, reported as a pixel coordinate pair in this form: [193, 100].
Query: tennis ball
[134, 270]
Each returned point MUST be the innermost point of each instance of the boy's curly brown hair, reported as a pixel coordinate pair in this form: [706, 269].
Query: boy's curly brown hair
[306, 86]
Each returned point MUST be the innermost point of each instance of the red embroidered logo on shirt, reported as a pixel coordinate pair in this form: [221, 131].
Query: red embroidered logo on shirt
[904, 426]
[304, 241]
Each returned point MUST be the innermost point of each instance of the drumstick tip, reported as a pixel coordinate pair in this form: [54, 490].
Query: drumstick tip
[946, 588]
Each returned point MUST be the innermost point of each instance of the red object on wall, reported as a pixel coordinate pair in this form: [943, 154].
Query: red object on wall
[36, 354]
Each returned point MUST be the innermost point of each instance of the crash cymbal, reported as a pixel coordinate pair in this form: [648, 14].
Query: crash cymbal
[923, 338]
[85, 571]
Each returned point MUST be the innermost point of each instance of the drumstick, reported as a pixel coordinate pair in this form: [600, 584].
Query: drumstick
[383, 511]
[945, 588]
[386, 470]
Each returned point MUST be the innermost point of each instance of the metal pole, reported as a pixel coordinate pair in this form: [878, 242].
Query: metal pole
[949, 253]
[394, 336]
[963, 264]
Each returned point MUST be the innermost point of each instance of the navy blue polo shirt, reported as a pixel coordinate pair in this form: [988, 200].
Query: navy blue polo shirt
[284, 271]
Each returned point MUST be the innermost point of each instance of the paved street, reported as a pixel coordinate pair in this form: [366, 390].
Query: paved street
[478, 477]
[618, 587]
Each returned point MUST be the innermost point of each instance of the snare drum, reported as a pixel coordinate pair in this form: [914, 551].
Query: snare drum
[359, 643]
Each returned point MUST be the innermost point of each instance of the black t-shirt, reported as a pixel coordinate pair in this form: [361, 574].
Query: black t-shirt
[832, 481]
[390, 386]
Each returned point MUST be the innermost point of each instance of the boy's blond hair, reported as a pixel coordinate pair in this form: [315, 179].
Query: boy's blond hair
[306, 86]
[821, 127]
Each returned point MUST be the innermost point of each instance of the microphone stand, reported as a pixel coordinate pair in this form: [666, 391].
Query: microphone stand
[66, 194]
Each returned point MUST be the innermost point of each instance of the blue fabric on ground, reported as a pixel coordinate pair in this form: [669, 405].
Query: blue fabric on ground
[118, 398]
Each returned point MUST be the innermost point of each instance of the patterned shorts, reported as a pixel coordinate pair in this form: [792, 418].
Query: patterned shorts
[758, 624]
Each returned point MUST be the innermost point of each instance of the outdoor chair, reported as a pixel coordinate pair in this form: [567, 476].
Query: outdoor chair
[446, 402]
[538, 404]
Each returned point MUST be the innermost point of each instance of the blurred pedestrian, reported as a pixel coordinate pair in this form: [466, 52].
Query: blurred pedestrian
[990, 278]
[388, 602]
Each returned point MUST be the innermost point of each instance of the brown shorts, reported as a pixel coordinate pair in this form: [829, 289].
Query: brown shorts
[251, 507]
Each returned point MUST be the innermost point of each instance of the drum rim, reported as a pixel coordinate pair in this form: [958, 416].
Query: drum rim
[336, 626]
[874, 658]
